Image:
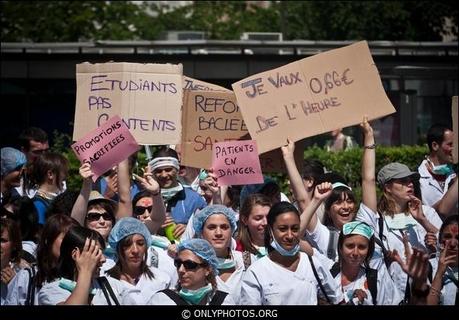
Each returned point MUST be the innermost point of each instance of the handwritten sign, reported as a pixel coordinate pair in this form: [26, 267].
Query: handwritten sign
[148, 97]
[105, 146]
[331, 90]
[208, 117]
[236, 163]
[194, 84]
[455, 129]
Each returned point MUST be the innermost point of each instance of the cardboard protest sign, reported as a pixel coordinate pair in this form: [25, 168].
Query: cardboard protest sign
[208, 117]
[236, 163]
[105, 146]
[455, 129]
[194, 84]
[331, 90]
[148, 97]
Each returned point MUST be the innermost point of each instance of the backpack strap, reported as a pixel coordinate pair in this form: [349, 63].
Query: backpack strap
[332, 244]
[318, 280]
[27, 256]
[372, 278]
[30, 299]
[247, 259]
[335, 269]
[106, 287]
[218, 298]
[175, 297]
[379, 241]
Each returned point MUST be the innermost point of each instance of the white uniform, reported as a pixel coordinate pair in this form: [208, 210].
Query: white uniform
[394, 240]
[139, 293]
[449, 289]
[431, 190]
[267, 283]
[233, 283]
[165, 263]
[387, 293]
[160, 298]
[52, 294]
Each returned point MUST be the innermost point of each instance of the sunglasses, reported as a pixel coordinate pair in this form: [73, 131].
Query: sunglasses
[139, 210]
[403, 181]
[95, 216]
[188, 264]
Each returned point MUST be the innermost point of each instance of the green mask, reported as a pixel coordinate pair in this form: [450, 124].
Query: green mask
[194, 296]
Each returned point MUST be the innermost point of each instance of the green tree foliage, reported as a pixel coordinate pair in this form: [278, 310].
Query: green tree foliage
[55, 21]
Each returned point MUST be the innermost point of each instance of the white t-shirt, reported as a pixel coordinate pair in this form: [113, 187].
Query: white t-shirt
[267, 283]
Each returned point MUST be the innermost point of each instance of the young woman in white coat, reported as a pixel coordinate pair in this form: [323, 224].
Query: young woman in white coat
[287, 276]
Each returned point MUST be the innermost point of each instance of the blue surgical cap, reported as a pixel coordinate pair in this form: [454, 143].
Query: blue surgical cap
[126, 227]
[11, 159]
[358, 227]
[201, 217]
[202, 249]
[249, 189]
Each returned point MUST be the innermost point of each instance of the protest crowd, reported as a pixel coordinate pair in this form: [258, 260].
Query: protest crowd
[181, 234]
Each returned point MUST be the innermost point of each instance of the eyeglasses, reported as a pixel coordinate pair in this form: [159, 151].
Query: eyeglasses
[95, 216]
[139, 210]
[188, 264]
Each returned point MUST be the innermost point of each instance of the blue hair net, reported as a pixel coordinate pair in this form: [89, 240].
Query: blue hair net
[126, 227]
[201, 217]
[203, 249]
[254, 188]
[11, 159]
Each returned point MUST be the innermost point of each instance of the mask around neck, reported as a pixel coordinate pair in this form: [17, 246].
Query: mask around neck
[400, 221]
[195, 296]
[282, 251]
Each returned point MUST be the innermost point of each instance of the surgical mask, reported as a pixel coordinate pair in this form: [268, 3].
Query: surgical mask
[225, 264]
[443, 169]
[167, 194]
[282, 251]
[70, 285]
[400, 221]
[195, 296]
[262, 251]
[160, 242]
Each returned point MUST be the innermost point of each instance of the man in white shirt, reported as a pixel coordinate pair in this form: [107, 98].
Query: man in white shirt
[438, 180]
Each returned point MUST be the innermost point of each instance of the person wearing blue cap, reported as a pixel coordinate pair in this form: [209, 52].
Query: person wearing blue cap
[197, 266]
[130, 240]
[13, 162]
[217, 224]
[361, 284]
[287, 276]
